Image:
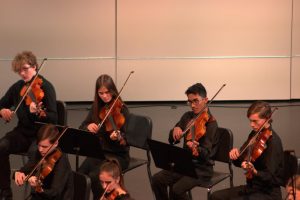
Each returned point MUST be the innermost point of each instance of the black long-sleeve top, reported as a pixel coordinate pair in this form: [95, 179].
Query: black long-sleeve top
[206, 142]
[59, 184]
[269, 165]
[26, 119]
[109, 145]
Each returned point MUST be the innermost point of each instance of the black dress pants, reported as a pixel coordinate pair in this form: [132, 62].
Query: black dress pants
[244, 193]
[178, 185]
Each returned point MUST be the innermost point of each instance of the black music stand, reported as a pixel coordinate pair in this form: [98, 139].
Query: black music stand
[172, 158]
[81, 143]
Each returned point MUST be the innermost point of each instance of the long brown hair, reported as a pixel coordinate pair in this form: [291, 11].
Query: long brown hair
[103, 81]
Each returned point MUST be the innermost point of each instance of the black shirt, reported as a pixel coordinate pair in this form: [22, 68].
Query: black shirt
[58, 184]
[108, 144]
[26, 119]
[206, 143]
[269, 165]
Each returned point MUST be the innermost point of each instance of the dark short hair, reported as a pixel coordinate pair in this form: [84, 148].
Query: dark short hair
[197, 88]
[262, 108]
[48, 131]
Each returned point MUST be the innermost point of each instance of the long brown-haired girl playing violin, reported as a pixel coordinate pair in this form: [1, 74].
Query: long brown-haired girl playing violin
[53, 179]
[265, 169]
[112, 135]
[112, 181]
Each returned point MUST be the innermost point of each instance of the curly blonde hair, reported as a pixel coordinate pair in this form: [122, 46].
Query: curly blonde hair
[26, 57]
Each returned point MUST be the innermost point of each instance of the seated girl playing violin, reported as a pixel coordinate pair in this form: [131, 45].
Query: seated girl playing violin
[263, 167]
[53, 178]
[199, 142]
[112, 181]
[112, 113]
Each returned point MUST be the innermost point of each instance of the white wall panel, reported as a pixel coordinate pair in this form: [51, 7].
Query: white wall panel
[245, 78]
[170, 44]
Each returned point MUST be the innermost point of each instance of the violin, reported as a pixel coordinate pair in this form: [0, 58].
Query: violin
[255, 146]
[113, 194]
[255, 149]
[115, 119]
[35, 94]
[47, 166]
[258, 147]
[198, 130]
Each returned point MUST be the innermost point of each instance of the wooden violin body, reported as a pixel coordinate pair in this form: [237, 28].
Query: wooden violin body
[199, 130]
[35, 94]
[47, 167]
[114, 120]
[254, 148]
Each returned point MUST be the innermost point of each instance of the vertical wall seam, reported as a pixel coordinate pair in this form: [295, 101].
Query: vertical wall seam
[116, 41]
[291, 49]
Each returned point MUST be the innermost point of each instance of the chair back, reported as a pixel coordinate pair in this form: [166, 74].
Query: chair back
[138, 130]
[224, 145]
[61, 113]
[82, 186]
[290, 166]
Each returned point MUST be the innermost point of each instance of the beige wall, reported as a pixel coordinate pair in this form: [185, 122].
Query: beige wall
[252, 46]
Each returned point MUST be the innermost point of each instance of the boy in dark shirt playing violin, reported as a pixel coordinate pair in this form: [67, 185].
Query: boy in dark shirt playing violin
[200, 146]
[22, 136]
[264, 175]
[53, 178]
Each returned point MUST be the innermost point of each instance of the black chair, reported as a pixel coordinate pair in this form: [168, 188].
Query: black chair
[82, 186]
[290, 167]
[61, 113]
[61, 120]
[138, 130]
[222, 148]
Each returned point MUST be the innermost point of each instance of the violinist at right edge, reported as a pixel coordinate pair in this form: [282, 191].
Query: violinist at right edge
[113, 141]
[200, 146]
[266, 171]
